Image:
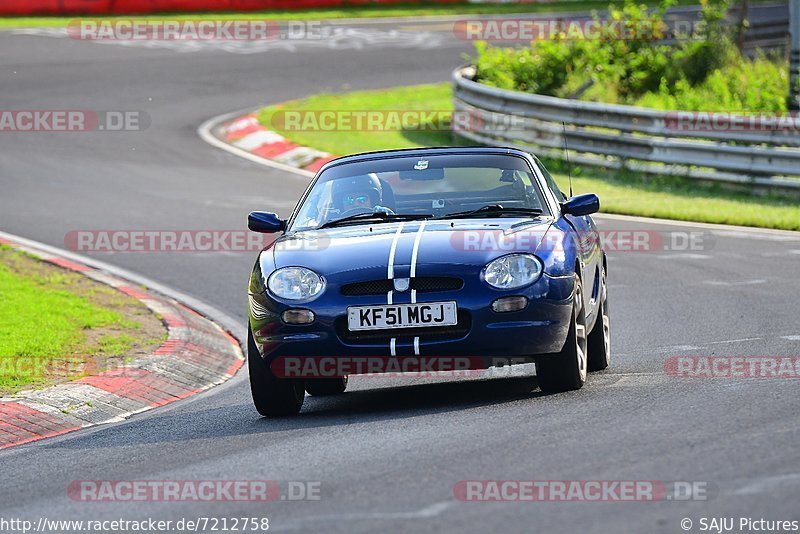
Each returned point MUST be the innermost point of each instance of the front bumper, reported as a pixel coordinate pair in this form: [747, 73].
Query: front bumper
[482, 334]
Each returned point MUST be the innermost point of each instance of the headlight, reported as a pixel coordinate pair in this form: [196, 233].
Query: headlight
[512, 271]
[295, 283]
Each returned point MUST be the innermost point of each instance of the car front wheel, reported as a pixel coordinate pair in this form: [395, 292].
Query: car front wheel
[272, 396]
[566, 370]
[599, 340]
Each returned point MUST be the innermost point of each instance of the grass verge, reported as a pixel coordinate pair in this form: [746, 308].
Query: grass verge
[56, 325]
[409, 10]
[620, 192]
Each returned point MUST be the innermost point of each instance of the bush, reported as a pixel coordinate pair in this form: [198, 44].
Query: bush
[760, 84]
[704, 71]
[542, 69]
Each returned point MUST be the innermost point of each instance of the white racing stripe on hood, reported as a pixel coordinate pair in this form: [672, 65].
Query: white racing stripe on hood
[414, 255]
[415, 251]
[393, 250]
[390, 275]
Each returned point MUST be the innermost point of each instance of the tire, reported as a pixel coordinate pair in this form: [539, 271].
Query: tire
[322, 387]
[566, 371]
[599, 339]
[272, 396]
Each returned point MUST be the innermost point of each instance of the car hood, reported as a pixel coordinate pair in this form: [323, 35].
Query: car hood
[368, 248]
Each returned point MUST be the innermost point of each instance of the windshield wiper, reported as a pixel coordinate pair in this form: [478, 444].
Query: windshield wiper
[491, 211]
[378, 216]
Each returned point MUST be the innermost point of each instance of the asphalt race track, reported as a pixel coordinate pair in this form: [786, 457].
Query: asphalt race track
[388, 453]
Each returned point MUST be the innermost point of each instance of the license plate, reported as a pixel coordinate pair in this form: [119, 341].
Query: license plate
[402, 316]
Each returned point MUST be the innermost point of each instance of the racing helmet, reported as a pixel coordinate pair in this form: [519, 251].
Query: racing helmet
[366, 183]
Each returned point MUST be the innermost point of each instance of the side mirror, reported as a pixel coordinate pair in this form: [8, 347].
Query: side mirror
[581, 205]
[265, 222]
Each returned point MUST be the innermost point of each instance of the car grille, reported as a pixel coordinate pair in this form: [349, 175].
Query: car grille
[455, 331]
[428, 284]
[423, 284]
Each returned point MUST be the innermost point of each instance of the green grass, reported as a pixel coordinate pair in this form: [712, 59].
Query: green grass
[759, 84]
[674, 197]
[410, 10]
[434, 97]
[109, 344]
[620, 192]
[45, 325]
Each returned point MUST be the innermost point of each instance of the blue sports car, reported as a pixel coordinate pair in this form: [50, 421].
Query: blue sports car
[431, 259]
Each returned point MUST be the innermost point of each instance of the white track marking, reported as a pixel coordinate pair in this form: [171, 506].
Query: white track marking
[768, 484]
[741, 283]
[687, 348]
[340, 38]
[740, 340]
[427, 512]
[684, 256]
[204, 131]
[414, 255]
[723, 229]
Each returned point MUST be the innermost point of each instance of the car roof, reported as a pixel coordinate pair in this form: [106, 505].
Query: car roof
[426, 151]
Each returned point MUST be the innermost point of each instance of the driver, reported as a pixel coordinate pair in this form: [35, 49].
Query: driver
[357, 192]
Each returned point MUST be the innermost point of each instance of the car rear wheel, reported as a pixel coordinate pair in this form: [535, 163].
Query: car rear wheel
[566, 370]
[272, 396]
[321, 387]
[599, 340]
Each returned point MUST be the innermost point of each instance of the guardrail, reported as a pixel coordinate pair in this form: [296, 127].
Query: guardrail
[618, 136]
[767, 35]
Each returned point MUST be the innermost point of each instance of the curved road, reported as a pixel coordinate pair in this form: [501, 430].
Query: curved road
[387, 453]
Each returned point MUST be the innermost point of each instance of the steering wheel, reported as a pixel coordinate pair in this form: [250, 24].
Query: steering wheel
[383, 209]
[355, 211]
[359, 210]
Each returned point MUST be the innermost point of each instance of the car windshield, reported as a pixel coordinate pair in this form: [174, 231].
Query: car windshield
[407, 188]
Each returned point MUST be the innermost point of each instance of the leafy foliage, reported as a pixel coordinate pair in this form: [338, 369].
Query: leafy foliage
[628, 63]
